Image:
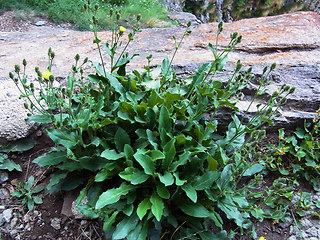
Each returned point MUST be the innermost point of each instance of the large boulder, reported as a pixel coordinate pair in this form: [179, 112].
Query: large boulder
[290, 40]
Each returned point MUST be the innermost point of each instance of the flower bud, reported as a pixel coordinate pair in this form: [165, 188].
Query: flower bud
[77, 57]
[85, 7]
[138, 17]
[292, 90]
[11, 75]
[273, 66]
[85, 60]
[111, 12]
[24, 62]
[189, 24]
[25, 105]
[51, 78]
[118, 16]
[17, 68]
[96, 7]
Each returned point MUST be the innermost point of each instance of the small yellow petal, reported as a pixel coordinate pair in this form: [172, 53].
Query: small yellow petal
[262, 238]
[46, 74]
[122, 29]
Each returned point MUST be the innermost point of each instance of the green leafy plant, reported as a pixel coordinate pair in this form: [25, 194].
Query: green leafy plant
[298, 154]
[20, 145]
[151, 165]
[26, 191]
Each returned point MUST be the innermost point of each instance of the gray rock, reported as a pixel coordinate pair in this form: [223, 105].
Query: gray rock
[7, 215]
[3, 176]
[292, 238]
[312, 232]
[287, 223]
[40, 23]
[56, 223]
[184, 17]
[306, 223]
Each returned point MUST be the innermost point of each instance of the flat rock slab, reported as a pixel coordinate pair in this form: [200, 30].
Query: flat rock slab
[290, 40]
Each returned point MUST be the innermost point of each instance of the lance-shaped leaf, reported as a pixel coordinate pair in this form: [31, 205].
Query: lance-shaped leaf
[51, 158]
[169, 152]
[113, 195]
[190, 191]
[143, 207]
[111, 154]
[157, 206]
[146, 163]
[125, 227]
[121, 139]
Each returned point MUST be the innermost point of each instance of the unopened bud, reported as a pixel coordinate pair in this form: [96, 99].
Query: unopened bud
[77, 57]
[273, 66]
[85, 60]
[189, 24]
[17, 68]
[11, 75]
[118, 16]
[96, 7]
[138, 17]
[25, 105]
[24, 62]
[111, 12]
[292, 90]
[51, 78]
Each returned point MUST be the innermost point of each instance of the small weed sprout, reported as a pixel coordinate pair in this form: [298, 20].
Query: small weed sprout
[26, 191]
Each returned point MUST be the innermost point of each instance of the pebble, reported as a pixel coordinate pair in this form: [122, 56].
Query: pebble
[7, 215]
[3, 176]
[56, 223]
[306, 223]
[40, 23]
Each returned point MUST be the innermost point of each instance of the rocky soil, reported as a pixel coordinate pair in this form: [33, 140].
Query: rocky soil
[291, 40]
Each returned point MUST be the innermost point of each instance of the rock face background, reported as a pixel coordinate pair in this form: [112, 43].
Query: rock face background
[291, 40]
[231, 10]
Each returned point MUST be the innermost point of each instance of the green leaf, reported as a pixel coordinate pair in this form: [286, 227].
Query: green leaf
[170, 152]
[127, 173]
[111, 154]
[156, 154]
[128, 151]
[190, 191]
[7, 164]
[255, 168]
[225, 177]
[230, 209]
[56, 179]
[51, 158]
[213, 164]
[146, 162]
[88, 211]
[143, 207]
[139, 177]
[115, 83]
[125, 227]
[63, 137]
[166, 70]
[157, 206]
[40, 119]
[179, 182]
[37, 200]
[183, 159]
[109, 221]
[92, 163]
[152, 139]
[167, 179]
[205, 181]
[162, 191]
[121, 139]
[193, 209]
[222, 62]
[164, 120]
[113, 195]
[134, 235]
[210, 235]
[20, 145]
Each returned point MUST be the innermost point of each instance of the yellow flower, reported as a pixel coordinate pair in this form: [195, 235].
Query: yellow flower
[122, 29]
[262, 238]
[46, 74]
